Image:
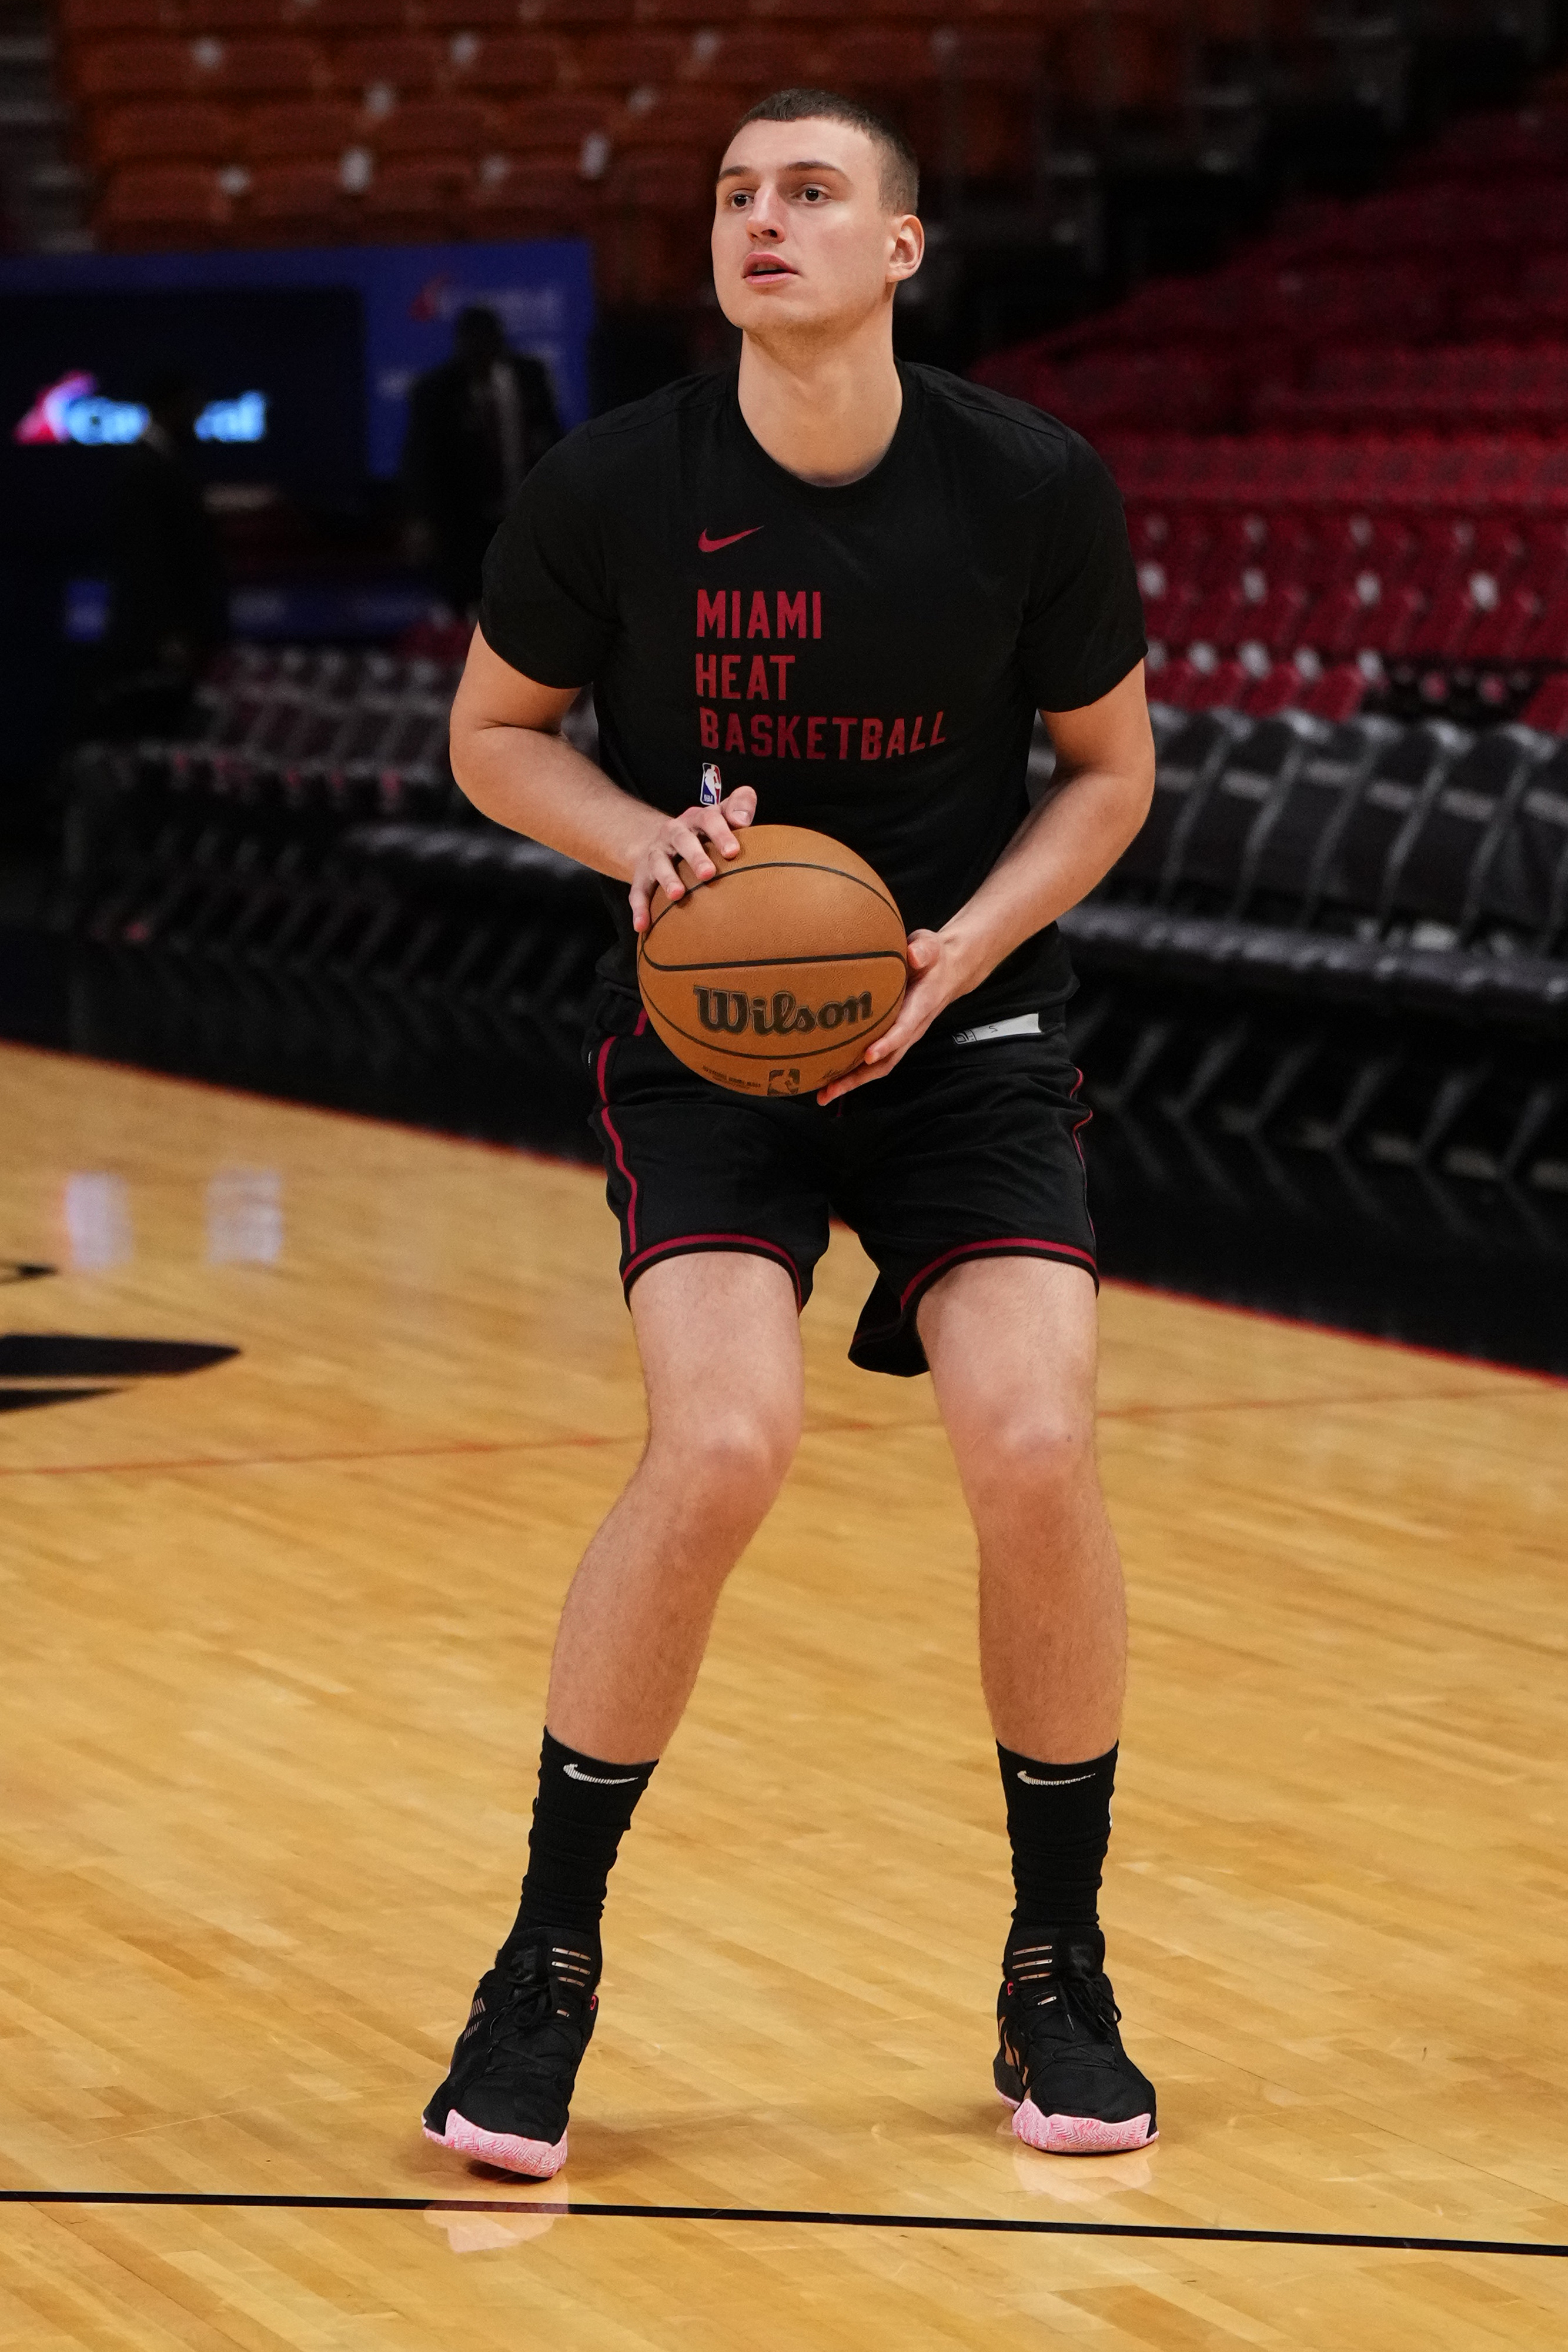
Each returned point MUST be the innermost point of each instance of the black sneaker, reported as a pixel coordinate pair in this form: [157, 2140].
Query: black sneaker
[506, 2098]
[1062, 2068]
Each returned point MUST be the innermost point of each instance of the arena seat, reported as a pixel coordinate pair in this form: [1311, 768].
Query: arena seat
[417, 201]
[530, 196]
[458, 128]
[147, 204]
[297, 201]
[629, 60]
[172, 131]
[259, 69]
[501, 64]
[155, 67]
[411, 64]
[87, 20]
[316, 128]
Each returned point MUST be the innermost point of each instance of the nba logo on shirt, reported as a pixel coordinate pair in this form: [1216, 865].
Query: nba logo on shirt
[712, 792]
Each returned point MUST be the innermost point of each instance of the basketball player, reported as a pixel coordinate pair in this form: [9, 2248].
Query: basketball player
[837, 588]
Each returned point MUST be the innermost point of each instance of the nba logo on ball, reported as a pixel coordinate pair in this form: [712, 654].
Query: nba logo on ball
[712, 792]
[783, 1082]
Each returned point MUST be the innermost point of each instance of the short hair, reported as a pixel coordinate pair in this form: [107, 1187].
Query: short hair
[900, 169]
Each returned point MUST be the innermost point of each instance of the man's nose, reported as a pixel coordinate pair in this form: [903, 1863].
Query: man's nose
[763, 220]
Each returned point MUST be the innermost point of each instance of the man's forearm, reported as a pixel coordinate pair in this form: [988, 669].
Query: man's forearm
[535, 784]
[1063, 847]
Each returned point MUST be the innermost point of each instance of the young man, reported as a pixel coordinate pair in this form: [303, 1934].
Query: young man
[839, 587]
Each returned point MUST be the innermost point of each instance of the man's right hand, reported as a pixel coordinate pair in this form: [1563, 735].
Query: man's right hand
[688, 837]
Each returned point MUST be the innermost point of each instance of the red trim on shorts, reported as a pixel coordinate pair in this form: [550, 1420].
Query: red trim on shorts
[687, 1244]
[1019, 1248]
[614, 1133]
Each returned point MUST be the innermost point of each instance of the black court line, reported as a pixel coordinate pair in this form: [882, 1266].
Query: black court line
[996, 2224]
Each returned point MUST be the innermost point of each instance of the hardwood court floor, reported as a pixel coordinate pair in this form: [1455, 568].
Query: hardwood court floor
[277, 1634]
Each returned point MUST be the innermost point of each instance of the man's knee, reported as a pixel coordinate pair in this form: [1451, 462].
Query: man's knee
[1028, 1451]
[731, 1457]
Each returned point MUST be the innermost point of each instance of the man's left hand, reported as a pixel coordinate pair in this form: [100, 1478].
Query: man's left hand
[934, 980]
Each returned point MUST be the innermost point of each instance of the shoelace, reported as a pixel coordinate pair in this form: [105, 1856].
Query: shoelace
[1041, 1987]
[532, 2025]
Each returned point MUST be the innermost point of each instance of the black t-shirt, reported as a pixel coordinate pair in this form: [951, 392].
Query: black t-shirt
[870, 657]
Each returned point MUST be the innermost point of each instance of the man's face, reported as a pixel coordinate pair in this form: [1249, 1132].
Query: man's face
[802, 238]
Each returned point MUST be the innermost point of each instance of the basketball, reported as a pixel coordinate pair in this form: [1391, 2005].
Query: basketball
[774, 978]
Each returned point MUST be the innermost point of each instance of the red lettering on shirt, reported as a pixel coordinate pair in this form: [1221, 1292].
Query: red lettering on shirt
[756, 624]
[791, 614]
[756, 679]
[708, 721]
[734, 741]
[871, 738]
[730, 665]
[894, 740]
[708, 674]
[936, 734]
[846, 729]
[816, 612]
[783, 737]
[761, 735]
[734, 612]
[915, 742]
[813, 736]
[710, 611]
[782, 664]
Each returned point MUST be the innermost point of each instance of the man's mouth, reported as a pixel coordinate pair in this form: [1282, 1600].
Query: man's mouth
[765, 266]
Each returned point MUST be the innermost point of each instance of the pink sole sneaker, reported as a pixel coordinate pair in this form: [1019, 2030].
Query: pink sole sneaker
[535, 2159]
[1077, 2134]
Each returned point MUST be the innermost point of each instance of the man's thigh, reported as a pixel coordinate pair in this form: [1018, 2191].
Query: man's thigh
[1013, 1346]
[719, 1336]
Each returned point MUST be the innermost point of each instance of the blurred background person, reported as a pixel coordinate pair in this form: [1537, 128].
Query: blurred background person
[476, 425]
[168, 597]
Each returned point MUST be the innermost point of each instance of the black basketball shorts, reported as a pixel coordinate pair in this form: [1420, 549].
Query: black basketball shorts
[968, 1148]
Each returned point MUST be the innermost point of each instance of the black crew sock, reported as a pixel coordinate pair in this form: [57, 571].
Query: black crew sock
[1058, 1823]
[582, 1811]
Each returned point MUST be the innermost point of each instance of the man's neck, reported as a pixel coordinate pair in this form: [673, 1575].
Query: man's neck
[827, 413]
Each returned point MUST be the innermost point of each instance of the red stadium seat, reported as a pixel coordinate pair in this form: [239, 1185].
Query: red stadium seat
[545, 125]
[530, 198]
[157, 206]
[500, 64]
[756, 58]
[435, 126]
[468, 16]
[225, 19]
[318, 127]
[327, 19]
[149, 69]
[236, 69]
[673, 180]
[296, 203]
[413, 201]
[688, 115]
[876, 56]
[86, 20]
[162, 131]
[410, 63]
[627, 60]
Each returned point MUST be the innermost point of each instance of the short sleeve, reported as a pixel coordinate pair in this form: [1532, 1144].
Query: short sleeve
[547, 606]
[1083, 622]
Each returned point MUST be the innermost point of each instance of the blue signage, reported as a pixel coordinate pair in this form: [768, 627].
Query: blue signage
[410, 294]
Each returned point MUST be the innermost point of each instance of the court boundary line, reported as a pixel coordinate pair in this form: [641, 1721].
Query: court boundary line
[800, 2216]
[589, 1439]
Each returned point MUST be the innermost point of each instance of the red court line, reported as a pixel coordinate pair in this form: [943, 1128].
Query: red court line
[588, 1439]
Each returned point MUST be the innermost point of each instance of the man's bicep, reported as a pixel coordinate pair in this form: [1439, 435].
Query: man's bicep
[492, 693]
[1110, 733]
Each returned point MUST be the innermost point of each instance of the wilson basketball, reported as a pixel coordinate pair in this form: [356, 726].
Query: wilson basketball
[774, 978]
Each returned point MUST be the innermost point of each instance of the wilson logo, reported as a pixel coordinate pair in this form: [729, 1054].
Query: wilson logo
[729, 1013]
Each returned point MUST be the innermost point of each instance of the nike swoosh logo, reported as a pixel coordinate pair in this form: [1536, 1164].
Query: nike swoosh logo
[707, 546]
[604, 1780]
[1035, 1781]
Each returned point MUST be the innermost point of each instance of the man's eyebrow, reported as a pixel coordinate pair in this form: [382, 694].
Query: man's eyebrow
[743, 170]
